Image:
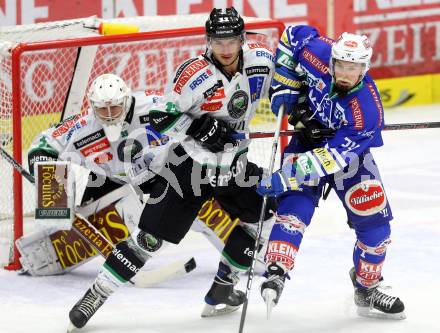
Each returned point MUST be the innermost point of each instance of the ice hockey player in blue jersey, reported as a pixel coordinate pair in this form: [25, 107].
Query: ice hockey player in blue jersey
[336, 107]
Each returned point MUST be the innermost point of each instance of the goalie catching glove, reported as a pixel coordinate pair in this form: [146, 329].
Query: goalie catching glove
[211, 132]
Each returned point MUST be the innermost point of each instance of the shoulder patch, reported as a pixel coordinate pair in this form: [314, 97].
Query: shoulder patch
[188, 72]
[70, 124]
[378, 104]
[182, 68]
[356, 112]
[327, 40]
[259, 45]
[257, 70]
[313, 60]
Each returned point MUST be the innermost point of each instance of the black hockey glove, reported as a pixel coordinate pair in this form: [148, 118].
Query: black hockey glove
[311, 131]
[212, 133]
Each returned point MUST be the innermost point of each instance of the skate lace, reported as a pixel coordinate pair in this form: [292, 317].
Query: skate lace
[90, 303]
[380, 299]
[230, 279]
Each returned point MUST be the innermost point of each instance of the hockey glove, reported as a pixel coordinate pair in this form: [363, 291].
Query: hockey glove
[280, 95]
[311, 131]
[212, 133]
[276, 184]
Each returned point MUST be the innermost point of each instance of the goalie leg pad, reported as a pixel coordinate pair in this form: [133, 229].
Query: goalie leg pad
[38, 256]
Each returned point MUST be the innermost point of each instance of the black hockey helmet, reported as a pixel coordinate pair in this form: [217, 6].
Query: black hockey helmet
[224, 23]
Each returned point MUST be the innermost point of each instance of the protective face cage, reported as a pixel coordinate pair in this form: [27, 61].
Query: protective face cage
[106, 91]
[110, 90]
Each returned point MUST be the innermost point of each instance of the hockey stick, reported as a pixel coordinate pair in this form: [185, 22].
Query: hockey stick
[276, 137]
[391, 127]
[143, 278]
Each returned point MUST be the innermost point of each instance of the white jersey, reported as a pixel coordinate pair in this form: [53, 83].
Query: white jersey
[200, 87]
[135, 157]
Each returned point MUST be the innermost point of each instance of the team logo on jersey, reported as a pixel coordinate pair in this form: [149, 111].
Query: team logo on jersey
[155, 138]
[96, 147]
[211, 107]
[255, 86]
[70, 124]
[213, 90]
[366, 198]
[258, 45]
[238, 104]
[356, 112]
[265, 54]
[200, 79]
[327, 40]
[188, 73]
[95, 136]
[182, 68]
[377, 102]
[313, 60]
[103, 158]
[290, 224]
[128, 149]
[257, 70]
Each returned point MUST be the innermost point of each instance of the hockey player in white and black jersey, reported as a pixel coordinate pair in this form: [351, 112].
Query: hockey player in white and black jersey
[212, 96]
[216, 95]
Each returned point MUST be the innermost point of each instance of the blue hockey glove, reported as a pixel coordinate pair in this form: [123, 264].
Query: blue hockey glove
[280, 95]
[276, 184]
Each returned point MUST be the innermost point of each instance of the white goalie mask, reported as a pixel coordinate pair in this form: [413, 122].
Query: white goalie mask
[353, 48]
[110, 99]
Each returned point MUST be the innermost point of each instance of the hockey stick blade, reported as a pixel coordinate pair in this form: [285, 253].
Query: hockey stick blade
[145, 279]
[390, 127]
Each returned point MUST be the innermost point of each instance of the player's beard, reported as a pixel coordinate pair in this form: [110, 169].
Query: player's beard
[344, 86]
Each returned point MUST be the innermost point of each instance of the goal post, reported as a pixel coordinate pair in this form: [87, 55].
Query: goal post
[38, 76]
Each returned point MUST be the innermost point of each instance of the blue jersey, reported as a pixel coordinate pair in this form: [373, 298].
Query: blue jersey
[357, 116]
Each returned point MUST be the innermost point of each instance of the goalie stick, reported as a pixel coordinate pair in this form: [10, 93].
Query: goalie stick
[144, 278]
[390, 127]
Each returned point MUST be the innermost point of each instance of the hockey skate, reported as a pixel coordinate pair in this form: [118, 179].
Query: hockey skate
[86, 308]
[222, 298]
[371, 302]
[272, 288]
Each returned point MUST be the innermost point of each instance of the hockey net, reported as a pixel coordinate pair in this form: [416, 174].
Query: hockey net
[46, 69]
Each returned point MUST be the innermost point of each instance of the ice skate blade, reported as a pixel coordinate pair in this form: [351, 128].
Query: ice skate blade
[372, 313]
[218, 310]
[71, 328]
[269, 295]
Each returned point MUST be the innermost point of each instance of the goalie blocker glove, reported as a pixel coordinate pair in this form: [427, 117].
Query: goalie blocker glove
[213, 133]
